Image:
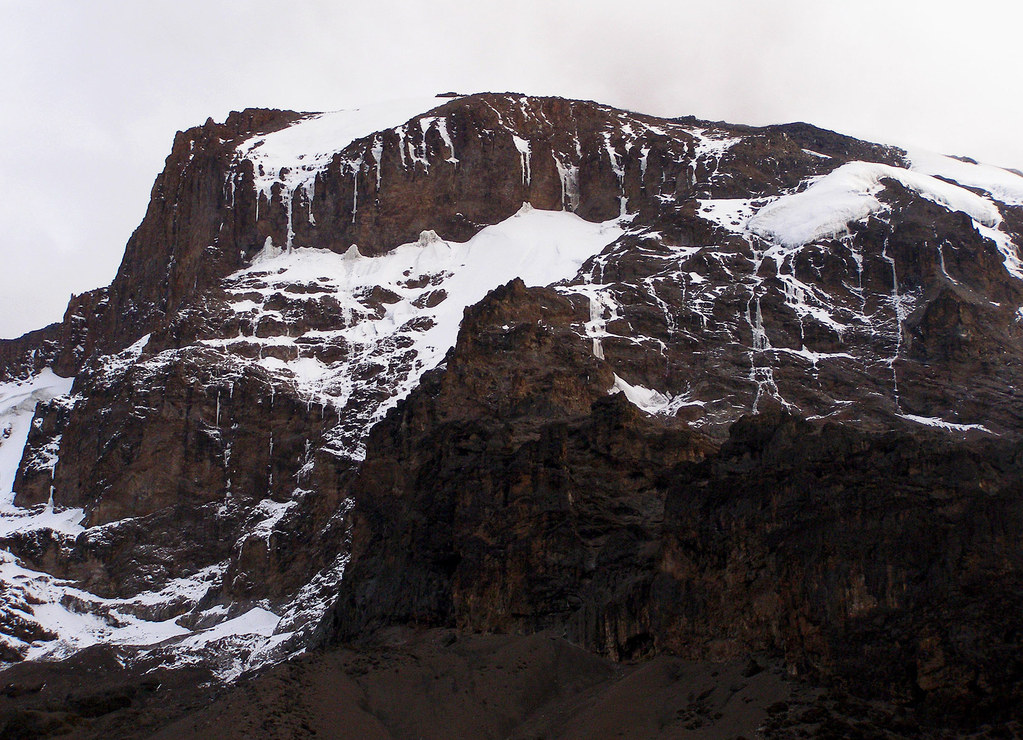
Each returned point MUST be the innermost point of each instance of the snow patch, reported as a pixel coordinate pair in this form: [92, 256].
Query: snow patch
[649, 400]
[849, 194]
[1002, 185]
[256, 621]
[18, 401]
[732, 214]
[712, 144]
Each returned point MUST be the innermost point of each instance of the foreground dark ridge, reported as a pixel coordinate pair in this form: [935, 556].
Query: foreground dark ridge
[736, 391]
[442, 684]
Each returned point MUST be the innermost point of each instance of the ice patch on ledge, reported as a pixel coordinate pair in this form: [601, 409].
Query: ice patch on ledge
[256, 621]
[732, 214]
[78, 619]
[712, 144]
[69, 619]
[649, 400]
[645, 399]
[933, 421]
[849, 194]
[64, 521]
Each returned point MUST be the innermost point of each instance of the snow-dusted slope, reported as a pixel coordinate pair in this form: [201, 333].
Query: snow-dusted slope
[54, 618]
[809, 265]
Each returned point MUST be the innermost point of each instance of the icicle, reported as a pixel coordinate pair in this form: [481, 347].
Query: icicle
[271, 464]
[378, 157]
[760, 341]
[355, 197]
[899, 318]
[418, 153]
[523, 146]
[290, 195]
[310, 194]
[218, 408]
[400, 131]
[227, 468]
[755, 319]
[569, 175]
[445, 134]
[616, 167]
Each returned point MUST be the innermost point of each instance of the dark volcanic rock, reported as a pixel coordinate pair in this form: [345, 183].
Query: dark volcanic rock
[859, 556]
[864, 559]
[497, 497]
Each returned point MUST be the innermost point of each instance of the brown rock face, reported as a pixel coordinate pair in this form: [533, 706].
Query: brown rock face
[507, 485]
[860, 557]
[29, 353]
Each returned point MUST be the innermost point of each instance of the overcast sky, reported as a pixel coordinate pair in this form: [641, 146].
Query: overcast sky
[92, 92]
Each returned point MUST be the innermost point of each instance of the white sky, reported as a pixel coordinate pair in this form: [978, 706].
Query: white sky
[92, 92]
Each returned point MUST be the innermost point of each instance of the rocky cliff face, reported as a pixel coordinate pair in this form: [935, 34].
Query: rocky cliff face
[507, 364]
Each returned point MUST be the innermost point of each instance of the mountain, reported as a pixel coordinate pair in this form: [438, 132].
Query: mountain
[533, 376]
